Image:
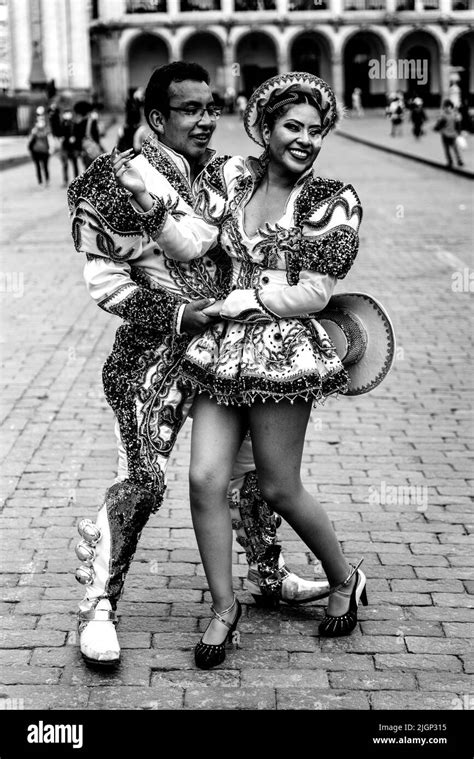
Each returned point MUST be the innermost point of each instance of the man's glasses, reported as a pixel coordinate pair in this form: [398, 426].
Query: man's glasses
[213, 111]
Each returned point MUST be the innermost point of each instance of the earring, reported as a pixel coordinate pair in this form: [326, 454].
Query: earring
[265, 157]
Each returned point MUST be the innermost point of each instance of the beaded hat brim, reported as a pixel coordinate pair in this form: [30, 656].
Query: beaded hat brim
[363, 336]
[276, 88]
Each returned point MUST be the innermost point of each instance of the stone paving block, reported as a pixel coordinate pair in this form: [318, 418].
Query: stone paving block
[136, 698]
[253, 660]
[441, 613]
[15, 656]
[372, 681]
[31, 638]
[284, 678]
[48, 696]
[407, 700]
[426, 586]
[124, 674]
[319, 700]
[13, 622]
[458, 629]
[421, 645]
[404, 627]
[15, 675]
[56, 657]
[189, 679]
[207, 697]
[402, 661]
[332, 662]
[445, 681]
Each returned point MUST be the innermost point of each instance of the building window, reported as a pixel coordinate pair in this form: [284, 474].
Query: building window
[364, 5]
[463, 5]
[308, 5]
[255, 5]
[406, 5]
[146, 6]
[200, 5]
[431, 5]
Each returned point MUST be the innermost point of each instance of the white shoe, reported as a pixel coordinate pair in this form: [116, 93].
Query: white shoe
[97, 635]
[287, 587]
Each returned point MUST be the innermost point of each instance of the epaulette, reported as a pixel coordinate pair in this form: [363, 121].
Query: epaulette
[315, 190]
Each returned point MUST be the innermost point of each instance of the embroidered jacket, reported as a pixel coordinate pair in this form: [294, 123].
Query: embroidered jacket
[126, 271]
[287, 268]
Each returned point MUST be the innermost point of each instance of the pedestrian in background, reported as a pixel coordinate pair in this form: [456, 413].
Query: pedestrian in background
[394, 111]
[68, 152]
[39, 146]
[418, 117]
[87, 132]
[241, 104]
[357, 101]
[448, 125]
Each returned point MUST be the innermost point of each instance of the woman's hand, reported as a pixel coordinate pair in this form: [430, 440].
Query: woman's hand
[127, 176]
[214, 310]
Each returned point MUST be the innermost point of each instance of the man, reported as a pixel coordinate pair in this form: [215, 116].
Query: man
[162, 303]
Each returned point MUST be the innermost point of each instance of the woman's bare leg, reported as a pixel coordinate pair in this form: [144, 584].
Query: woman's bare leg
[278, 434]
[217, 433]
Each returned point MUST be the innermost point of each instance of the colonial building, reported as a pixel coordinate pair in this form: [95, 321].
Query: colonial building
[111, 46]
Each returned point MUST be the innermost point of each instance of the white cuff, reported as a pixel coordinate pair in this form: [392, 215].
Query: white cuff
[179, 318]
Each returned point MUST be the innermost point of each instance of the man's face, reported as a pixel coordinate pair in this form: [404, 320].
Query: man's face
[186, 134]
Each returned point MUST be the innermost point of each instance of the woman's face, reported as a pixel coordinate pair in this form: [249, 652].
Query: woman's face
[295, 140]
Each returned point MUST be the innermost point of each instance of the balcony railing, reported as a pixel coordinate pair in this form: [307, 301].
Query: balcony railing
[255, 5]
[146, 6]
[200, 5]
[364, 5]
[308, 5]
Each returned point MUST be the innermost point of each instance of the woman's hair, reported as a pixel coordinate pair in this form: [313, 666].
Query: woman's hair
[281, 105]
[157, 91]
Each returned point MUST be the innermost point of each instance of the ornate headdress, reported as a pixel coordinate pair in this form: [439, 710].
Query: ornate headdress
[286, 89]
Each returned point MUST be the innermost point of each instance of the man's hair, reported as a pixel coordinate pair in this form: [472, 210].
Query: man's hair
[448, 104]
[157, 90]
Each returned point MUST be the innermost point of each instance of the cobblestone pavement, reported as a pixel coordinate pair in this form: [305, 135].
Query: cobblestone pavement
[392, 468]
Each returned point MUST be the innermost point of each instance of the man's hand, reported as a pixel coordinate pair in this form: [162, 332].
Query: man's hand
[127, 176]
[194, 319]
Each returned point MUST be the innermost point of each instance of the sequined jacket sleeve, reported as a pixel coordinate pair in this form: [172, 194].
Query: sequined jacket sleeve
[109, 232]
[319, 249]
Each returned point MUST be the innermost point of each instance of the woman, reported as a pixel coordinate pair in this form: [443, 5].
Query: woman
[290, 235]
[39, 145]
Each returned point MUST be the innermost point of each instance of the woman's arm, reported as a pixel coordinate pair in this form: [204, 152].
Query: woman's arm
[325, 251]
[190, 237]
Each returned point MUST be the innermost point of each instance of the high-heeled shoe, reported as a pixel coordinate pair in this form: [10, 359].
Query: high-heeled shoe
[333, 626]
[207, 655]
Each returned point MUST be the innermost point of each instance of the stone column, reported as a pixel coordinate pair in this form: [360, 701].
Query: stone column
[113, 73]
[80, 74]
[444, 71]
[172, 7]
[227, 7]
[337, 77]
[19, 21]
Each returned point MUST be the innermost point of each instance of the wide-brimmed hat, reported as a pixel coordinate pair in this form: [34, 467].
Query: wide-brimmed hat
[363, 337]
[284, 89]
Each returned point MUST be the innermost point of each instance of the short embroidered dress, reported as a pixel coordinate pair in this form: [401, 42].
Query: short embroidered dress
[269, 344]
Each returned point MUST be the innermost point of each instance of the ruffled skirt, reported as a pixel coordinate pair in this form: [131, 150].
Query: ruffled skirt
[237, 363]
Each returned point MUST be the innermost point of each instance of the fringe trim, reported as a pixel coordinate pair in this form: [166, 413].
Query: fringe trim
[246, 390]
